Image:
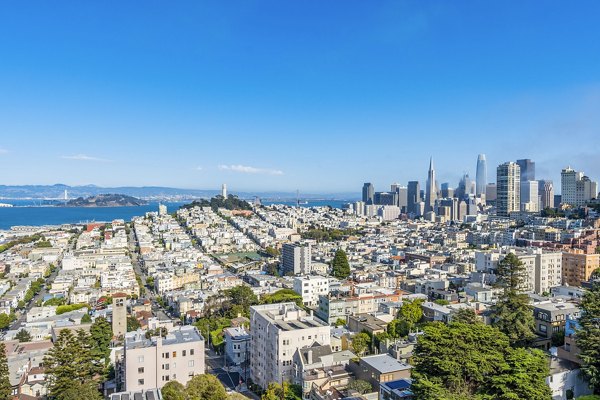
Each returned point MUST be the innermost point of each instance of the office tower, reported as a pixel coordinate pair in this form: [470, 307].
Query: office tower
[447, 191]
[359, 208]
[430, 189]
[385, 198]
[546, 192]
[490, 192]
[464, 187]
[452, 205]
[295, 259]
[402, 193]
[508, 182]
[277, 331]
[530, 201]
[576, 188]
[119, 314]
[368, 193]
[153, 362]
[413, 196]
[481, 176]
[394, 187]
[224, 191]
[527, 169]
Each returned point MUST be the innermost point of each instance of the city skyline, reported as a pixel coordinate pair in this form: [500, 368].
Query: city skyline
[204, 96]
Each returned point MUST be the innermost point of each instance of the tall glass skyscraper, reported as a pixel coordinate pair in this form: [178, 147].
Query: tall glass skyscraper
[481, 176]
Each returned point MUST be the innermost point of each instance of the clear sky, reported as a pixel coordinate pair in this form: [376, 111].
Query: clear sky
[278, 95]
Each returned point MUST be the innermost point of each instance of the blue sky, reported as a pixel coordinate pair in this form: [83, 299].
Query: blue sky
[319, 96]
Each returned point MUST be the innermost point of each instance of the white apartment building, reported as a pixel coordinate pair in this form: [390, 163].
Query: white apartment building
[310, 287]
[296, 258]
[151, 363]
[277, 331]
[544, 268]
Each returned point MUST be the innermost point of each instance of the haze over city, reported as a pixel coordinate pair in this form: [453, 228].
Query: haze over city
[316, 96]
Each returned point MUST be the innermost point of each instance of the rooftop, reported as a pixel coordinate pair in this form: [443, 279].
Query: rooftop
[384, 363]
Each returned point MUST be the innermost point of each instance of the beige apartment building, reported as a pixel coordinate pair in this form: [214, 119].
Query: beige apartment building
[151, 363]
[578, 266]
[277, 331]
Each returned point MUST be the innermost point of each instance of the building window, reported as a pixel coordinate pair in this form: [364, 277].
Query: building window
[183, 353]
[166, 378]
[190, 363]
[140, 382]
[140, 359]
[166, 355]
[191, 352]
[140, 370]
[165, 366]
[543, 328]
[174, 354]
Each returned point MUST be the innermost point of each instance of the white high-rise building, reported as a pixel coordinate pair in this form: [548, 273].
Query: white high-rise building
[277, 331]
[576, 189]
[224, 191]
[296, 258]
[508, 189]
[481, 176]
[530, 200]
[162, 209]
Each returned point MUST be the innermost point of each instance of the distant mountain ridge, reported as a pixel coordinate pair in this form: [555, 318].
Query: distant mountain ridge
[151, 192]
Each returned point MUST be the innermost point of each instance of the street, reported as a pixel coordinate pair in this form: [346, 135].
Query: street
[23, 314]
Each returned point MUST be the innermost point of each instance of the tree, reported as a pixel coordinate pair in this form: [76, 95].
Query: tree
[360, 386]
[588, 335]
[173, 390]
[287, 391]
[5, 386]
[398, 328]
[205, 387]
[283, 296]
[411, 311]
[339, 266]
[475, 361]
[133, 324]
[87, 391]
[23, 336]
[242, 296]
[340, 322]
[465, 315]
[86, 319]
[5, 320]
[101, 335]
[512, 313]
[360, 343]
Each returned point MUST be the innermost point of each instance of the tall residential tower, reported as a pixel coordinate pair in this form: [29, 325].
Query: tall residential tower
[508, 187]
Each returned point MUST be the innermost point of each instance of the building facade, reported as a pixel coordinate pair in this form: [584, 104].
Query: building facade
[508, 189]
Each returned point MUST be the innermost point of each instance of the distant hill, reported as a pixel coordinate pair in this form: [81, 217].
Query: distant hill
[105, 200]
[57, 191]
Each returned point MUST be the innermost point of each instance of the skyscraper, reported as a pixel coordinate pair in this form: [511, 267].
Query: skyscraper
[546, 192]
[430, 189]
[527, 169]
[508, 187]
[530, 199]
[481, 176]
[413, 196]
[224, 191]
[368, 193]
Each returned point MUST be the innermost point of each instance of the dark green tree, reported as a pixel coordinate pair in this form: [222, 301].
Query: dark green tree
[588, 335]
[241, 296]
[23, 336]
[360, 386]
[101, 335]
[70, 362]
[173, 390]
[340, 322]
[340, 268]
[361, 343]
[78, 391]
[133, 324]
[86, 319]
[512, 313]
[411, 311]
[5, 320]
[5, 387]
[205, 387]
[398, 328]
[475, 361]
[465, 315]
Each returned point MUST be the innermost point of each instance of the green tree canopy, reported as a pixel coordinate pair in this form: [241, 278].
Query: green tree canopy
[398, 328]
[340, 268]
[23, 336]
[133, 324]
[205, 387]
[360, 386]
[241, 296]
[173, 390]
[5, 386]
[411, 311]
[465, 315]
[6, 320]
[340, 322]
[361, 343]
[512, 313]
[101, 335]
[462, 361]
[78, 391]
[283, 296]
[588, 335]
[287, 391]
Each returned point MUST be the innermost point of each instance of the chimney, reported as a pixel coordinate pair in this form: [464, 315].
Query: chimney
[309, 357]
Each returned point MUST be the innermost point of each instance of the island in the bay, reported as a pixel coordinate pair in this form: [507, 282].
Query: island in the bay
[105, 200]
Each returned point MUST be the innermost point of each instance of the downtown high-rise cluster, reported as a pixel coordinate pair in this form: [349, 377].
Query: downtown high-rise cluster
[515, 192]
